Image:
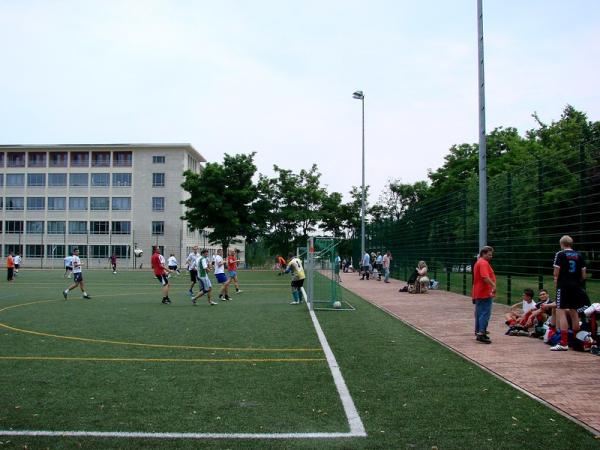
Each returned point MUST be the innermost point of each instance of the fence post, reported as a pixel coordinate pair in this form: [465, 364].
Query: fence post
[540, 188]
[448, 272]
[508, 289]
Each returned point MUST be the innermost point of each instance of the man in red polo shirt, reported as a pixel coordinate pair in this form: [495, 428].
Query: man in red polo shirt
[160, 271]
[484, 290]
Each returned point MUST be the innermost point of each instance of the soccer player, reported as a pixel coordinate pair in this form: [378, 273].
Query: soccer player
[281, 264]
[172, 264]
[569, 275]
[68, 266]
[219, 266]
[10, 267]
[337, 263]
[205, 284]
[192, 263]
[160, 272]
[295, 266]
[17, 259]
[232, 263]
[77, 276]
[113, 263]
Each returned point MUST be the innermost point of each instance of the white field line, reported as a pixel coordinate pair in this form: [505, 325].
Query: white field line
[357, 428]
[354, 421]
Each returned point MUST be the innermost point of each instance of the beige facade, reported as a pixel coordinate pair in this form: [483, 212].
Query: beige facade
[103, 199]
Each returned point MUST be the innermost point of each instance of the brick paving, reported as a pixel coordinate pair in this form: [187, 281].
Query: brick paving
[523, 361]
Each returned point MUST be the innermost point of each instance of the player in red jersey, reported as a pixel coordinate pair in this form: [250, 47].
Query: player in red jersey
[232, 263]
[160, 271]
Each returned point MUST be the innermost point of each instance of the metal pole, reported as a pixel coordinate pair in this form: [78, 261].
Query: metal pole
[482, 143]
[362, 202]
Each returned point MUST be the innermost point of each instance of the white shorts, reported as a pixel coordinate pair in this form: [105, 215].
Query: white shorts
[205, 283]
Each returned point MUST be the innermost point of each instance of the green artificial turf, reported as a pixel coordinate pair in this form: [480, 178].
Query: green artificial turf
[410, 391]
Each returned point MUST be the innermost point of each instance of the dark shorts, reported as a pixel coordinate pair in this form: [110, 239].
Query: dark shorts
[221, 277]
[570, 297]
[17, 266]
[298, 283]
[69, 268]
[78, 277]
[194, 275]
[172, 267]
[10, 273]
[162, 279]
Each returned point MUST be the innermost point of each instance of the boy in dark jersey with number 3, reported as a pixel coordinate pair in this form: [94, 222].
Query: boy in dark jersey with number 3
[569, 275]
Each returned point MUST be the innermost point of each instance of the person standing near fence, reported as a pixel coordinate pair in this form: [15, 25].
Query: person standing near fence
[10, 267]
[365, 265]
[484, 290]
[569, 275]
[387, 260]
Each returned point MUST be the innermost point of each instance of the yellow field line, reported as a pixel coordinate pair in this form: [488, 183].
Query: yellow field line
[157, 360]
[140, 344]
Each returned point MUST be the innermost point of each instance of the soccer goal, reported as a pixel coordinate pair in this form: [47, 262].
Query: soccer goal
[323, 266]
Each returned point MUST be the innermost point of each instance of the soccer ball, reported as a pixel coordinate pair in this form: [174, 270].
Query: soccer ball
[138, 252]
[337, 304]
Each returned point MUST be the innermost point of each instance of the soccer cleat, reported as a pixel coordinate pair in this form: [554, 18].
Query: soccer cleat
[483, 339]
[238, 291]
[194, 301]
[559, 348]
[227, 297]
[211, 303]
[220, 296]
[65, 294]
[87, 297]
[294, 303]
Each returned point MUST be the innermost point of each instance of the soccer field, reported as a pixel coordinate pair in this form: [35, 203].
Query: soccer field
[123, 362]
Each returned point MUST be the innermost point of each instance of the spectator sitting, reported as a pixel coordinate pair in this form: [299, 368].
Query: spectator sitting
[544, 308]
[518, 316]
[418, 282]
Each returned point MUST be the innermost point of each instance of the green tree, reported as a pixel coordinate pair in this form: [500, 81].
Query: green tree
[222, 197]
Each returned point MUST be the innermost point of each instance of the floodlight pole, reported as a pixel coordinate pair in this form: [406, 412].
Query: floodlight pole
[482, 141]
[359, 95]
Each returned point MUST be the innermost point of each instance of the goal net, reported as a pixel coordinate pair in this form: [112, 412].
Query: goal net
[323, 266]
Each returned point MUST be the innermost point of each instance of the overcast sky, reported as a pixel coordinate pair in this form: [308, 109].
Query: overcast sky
[277, 77]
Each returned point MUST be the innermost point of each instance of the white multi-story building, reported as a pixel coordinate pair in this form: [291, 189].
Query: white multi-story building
[103, 199]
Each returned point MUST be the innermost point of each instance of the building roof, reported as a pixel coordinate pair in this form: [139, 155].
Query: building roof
[175, 146]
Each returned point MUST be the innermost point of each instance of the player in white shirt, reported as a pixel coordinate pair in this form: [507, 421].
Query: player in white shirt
[192, 265]
[172, 264]
[219, 265]
[17, 261]
[77, 276]
[68, 266]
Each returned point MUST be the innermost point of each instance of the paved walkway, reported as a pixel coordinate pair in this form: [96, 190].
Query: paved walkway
[526, 362]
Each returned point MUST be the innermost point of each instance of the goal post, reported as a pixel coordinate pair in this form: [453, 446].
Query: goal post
[323, 266]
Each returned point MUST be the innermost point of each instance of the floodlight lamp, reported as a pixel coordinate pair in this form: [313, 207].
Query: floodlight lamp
[358, 95]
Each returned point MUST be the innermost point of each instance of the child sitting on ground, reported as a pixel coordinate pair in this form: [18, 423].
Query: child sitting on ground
[518, 316]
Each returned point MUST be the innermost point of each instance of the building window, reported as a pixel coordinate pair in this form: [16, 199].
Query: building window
[122, 159]
[80, 159]
[56, 227]
[14, 203]
[36, 159]
[101, 179]
[78, 179]
[15, 159]
[121, 203]
[158, 203]
[77, 227]
[158, 179]
[100, 159]
[58, 159]
[13, 227]
[57, 203]
[78, 204]
[99, 227]
[120, 251]
[158, 228]
[36, 203]
[99, 203]
[34, 251]
[1, 159]
[1, 206]
[36, 179]
[121, 227]
[158, 160]
[55, 251]
[121, 179]
[83, 250]
[99, 251]
[35, 227]
[14, 248]
[15, 179]
[1, 179]
[57, 179]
